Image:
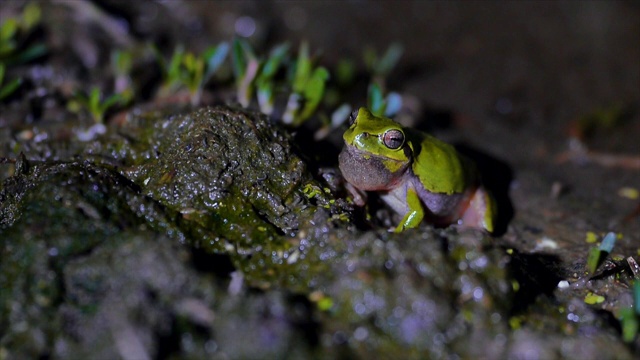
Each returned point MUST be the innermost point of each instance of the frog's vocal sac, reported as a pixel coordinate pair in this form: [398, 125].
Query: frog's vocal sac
[417, 175]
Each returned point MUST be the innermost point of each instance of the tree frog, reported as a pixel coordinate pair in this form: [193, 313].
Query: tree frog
[418, 176]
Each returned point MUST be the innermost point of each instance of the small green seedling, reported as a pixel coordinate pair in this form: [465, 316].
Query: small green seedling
[8, 88]
[345, 72]
[121, 65]
[603, 118]
[381, 66]
[306, 83]
[629, 316]
[187, 70]
[245, 69]
[265, 82]
[629, 322]
[379, 104]
[636, 297]
[94, 104]
[598, 254]
[308, 87]
[14, 33]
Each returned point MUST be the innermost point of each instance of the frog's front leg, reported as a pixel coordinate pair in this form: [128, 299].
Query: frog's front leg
[414, 215]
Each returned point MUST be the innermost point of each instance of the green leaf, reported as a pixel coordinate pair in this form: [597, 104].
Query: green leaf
[264, 80]
[270, 67]
[242, 54]
[9, 88]
[345, 72]
[313, 93]
[265, 97]
[173, 70]
[608, 242]
[193, 77]
[593, 299]
[593, 260]
[32, 52]
[629, 322]
[370, 58]
[636, 296]
[31, 15]
[214, 57]
[189, 61]
[2, 70]
[245, 86]
[393, 104]
[238, 60]
[93, 104]
[245, 67]
[6, 48]
[122, 62]
[111, 101]
[94, 99]
[303, 69]
[376, 100]
[159, 58]
[8, 29]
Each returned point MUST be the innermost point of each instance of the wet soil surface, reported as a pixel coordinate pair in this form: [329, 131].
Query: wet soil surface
[212, 231]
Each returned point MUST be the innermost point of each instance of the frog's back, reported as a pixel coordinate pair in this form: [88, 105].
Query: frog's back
[440, 168]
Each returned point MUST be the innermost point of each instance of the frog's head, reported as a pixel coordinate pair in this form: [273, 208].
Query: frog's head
[376, 136]
[375, 154]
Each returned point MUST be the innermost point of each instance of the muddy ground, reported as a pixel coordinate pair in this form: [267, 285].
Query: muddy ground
[210, 231]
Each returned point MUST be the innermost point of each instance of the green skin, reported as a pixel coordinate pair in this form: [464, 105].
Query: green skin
[419, 176]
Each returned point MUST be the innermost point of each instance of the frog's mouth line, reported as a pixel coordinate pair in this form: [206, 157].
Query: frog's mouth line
[354, 151]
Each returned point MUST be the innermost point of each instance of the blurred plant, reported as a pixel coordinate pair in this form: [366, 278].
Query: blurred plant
[8, 88]
[629, 317]
[600, 119]
[598, 254]
[381, 105]
[338, 117]
[380, 67]
[345, 72]
[306, 82]
[122, 64]
[187, 70]
[245, 69]
[94, 104]
[265, 80]
[308, 87]
[14, 33]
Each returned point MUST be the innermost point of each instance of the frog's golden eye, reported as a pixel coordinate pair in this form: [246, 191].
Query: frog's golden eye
[352, 117]
[393, 139]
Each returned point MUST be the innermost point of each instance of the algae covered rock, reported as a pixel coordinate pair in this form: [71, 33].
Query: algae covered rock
[232, 174]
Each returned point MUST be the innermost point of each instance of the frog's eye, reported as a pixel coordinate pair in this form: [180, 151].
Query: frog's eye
[352, 117]
[393, 139]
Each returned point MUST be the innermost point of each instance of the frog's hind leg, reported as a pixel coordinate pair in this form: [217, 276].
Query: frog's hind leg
[480, 213]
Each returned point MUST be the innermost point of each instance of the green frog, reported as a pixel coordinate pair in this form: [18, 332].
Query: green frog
[417, 175]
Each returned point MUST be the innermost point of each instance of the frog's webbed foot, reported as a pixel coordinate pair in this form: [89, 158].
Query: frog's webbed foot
[359, 197]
